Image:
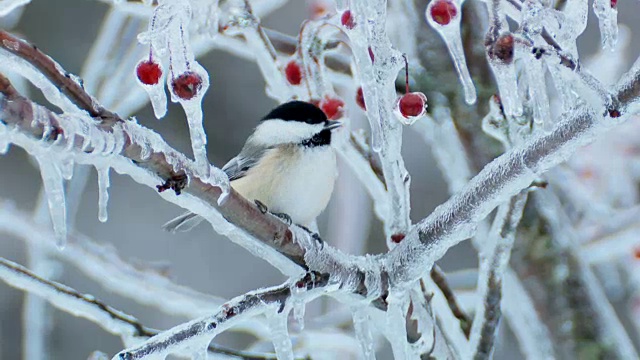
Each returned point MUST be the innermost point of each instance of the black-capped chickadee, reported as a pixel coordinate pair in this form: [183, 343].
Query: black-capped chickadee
[287, 164]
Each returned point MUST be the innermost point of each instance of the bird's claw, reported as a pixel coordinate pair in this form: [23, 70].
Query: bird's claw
[284, 217]
[261, 206]
[314, 235]
[264, 209]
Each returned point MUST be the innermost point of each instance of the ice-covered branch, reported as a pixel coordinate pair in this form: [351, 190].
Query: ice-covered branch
[72, 89]
[68, 299]
[379, 63]
[86, 306]
[456, 220]
[494, 259]
[146, 157]
[195, 336]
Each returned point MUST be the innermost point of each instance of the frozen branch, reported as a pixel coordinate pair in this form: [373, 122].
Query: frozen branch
[455, 220]
[96, 311]
[494, 260]
[197, 334]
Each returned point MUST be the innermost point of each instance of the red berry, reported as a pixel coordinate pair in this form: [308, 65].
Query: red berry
[347, 20]
[148, 72]
[332, 107]
[503, 49]
[397, 238]
[443, 11]
[360, 99]
[293, 73]
[412, 104]
[187, 85]
[614, 3]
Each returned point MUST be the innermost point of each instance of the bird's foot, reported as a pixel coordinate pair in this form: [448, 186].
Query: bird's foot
[264, 209]
[314, 235]
[261, 206]
[284, 217]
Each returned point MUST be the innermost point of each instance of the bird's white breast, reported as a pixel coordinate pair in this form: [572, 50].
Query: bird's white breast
[293, 180]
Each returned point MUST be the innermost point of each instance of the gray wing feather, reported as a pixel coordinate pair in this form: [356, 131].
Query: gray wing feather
[235, 169]
[250, 155]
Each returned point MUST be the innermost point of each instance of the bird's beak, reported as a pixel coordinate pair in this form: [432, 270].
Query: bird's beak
[332, 124]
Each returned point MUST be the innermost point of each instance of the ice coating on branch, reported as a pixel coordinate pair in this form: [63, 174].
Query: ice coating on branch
[362, 327]
[608, 21]
[205, 17]
[103, 192]
[277, 322]
[378, 63]
[53, 184]
[38, 79]
[494, 258]
[449, 30]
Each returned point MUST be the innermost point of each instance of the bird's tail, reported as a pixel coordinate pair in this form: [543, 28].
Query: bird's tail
[182, 223]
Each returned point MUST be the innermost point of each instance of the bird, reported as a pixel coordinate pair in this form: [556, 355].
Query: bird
[287, 165]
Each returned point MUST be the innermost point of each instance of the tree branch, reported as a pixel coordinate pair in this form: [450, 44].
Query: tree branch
[202, 330]
[96, 311]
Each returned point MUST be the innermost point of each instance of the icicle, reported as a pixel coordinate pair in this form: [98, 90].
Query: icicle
[538, 91]
[5, 140]
[219, 178]
[280, 335]
[444, 17]
[299, 307]
[507, 82]
[607, 15]
[54, 188]
[66, 168]
[150, 75]
[103, 192]
[495, 125]
[362, 327]
[396, 331]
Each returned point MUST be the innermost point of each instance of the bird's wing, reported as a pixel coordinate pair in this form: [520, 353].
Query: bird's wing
[235, 169]
[238, 167]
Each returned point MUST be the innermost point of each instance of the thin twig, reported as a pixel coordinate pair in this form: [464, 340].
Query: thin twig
[439, 278]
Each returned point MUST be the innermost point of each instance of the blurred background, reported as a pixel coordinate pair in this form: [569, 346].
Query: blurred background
[200, 259]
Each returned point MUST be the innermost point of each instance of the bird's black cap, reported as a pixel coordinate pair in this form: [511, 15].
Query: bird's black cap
[297, 111]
